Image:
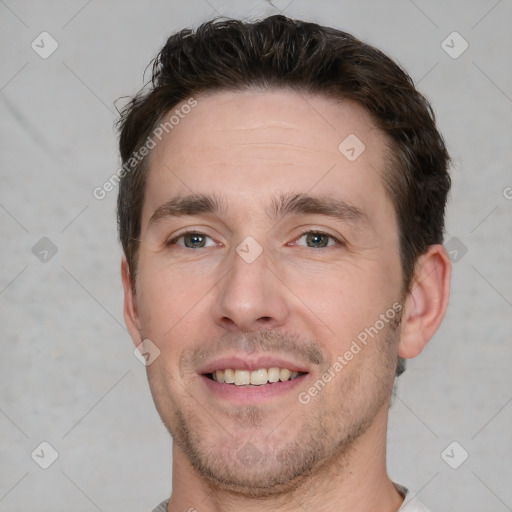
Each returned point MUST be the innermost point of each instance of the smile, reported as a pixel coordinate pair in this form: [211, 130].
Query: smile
[257, 377]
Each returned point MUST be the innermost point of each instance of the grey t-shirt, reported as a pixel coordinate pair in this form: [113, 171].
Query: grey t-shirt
[162, 507]
[411, 505]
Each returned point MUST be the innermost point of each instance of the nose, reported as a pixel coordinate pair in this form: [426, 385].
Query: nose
[250, 296]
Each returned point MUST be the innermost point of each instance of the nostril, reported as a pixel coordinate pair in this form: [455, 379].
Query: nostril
[265, 319]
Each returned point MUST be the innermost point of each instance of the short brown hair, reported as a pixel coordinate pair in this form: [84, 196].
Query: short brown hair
[278, 52]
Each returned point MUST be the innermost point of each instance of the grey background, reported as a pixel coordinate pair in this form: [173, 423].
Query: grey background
[68, 375]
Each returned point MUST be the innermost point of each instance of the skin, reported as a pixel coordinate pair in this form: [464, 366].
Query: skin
[303, 303]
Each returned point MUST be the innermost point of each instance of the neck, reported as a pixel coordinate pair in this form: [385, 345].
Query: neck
[355, 480]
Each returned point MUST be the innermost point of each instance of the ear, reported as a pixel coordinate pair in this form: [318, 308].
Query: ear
[131, 314]
[427, 301]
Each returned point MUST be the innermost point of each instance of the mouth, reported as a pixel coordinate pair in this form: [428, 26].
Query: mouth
[259, 377]
[253, 379]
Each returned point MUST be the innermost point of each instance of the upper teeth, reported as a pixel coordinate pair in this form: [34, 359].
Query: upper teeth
[255, 377]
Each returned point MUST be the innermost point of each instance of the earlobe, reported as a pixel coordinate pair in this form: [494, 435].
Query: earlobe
[131, 314]
[426, 303]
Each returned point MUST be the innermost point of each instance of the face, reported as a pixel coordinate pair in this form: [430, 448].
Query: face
[269, 278]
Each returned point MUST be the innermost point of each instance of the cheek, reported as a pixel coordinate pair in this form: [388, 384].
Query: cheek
[345, 299]
[166, 298]
[324, 284]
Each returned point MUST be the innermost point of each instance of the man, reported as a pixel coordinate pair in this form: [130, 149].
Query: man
[281, 211]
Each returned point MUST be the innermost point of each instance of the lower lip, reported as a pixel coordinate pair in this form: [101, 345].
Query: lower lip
[252, 394]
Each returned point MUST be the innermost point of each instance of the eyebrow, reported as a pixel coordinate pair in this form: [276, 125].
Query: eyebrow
[286, 204]
[192, 204]
[281, 206]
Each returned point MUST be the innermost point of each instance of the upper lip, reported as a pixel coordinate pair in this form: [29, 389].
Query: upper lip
[250, 363]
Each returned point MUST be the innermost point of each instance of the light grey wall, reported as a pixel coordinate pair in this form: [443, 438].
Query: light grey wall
[68, 375]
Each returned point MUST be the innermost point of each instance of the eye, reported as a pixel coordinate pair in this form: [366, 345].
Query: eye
[316, 240]
[192, 240]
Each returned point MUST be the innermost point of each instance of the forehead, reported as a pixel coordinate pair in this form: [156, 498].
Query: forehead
[251, 144]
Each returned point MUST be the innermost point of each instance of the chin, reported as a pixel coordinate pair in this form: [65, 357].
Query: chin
[263, 480]
[257, 467]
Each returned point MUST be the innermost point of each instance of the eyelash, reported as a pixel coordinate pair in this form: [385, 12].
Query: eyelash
[316, 232]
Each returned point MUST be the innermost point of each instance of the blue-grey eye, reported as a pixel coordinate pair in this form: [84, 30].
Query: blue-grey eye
[316, 240]
[194, 240]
